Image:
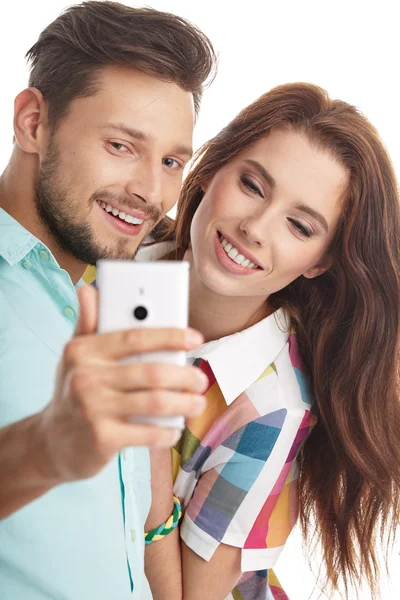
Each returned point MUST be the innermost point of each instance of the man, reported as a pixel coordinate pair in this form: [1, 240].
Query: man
[102, 135]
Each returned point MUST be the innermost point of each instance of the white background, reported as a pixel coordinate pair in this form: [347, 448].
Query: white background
[351, 48]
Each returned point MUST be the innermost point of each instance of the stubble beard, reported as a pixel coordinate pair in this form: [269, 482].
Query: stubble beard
[56, 211]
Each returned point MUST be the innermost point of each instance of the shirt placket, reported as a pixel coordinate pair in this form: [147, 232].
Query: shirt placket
[133, 518]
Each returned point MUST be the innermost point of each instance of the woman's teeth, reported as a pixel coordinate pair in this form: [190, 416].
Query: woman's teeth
[123, 216]
[235, 255]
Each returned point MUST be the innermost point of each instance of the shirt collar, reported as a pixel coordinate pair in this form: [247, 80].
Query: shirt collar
[238, 360]
[15, 241]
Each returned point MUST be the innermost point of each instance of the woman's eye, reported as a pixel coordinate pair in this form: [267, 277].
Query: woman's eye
[249, 185]
[121, 148]
[300, 228]
[171, 163]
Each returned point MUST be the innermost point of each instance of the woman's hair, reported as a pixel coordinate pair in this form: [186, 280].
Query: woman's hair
[347, 322]
[72, 50]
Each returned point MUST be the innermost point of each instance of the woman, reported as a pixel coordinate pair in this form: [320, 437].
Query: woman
[290, 220]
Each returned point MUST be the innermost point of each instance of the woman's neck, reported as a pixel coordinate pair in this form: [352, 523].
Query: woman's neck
[217, 316]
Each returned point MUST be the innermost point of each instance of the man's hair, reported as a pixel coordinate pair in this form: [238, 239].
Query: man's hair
[70, 53]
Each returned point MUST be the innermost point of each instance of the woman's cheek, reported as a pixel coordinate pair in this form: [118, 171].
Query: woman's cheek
[289, 258]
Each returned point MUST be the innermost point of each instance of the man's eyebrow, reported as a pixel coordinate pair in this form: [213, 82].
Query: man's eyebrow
[313, 213]
[262, 171]
[136, 134]
[183, 150]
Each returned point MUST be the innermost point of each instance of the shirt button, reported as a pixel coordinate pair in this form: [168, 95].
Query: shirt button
[133, 535]
[26, 264]
[44, 255]
[69, 312]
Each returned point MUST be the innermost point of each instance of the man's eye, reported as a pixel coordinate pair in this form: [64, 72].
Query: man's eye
[171, 163]
[119, 147]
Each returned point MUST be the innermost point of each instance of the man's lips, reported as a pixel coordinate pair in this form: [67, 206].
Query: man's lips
[120, 225]
[129, 210]
[124, 216]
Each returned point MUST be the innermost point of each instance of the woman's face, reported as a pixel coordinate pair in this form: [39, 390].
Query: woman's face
[267, 217]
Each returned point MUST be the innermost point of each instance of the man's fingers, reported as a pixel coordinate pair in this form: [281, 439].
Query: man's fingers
[154, 376]
[156, 403]
[87, 322]
[118, 345]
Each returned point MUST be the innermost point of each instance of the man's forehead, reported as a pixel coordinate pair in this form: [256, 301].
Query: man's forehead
[140, 89]
[143, 107]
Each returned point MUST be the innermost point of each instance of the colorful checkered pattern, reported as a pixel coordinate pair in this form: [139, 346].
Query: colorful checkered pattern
[235, 468]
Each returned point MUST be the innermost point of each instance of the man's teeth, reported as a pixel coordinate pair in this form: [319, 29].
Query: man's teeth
[123, 216]
[235, 255]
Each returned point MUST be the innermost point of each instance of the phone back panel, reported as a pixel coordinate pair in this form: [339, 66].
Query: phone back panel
[161, 288]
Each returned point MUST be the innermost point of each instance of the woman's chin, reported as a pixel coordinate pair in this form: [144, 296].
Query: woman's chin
[211, 278]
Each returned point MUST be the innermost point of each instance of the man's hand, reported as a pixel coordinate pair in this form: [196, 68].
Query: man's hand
[88, 420]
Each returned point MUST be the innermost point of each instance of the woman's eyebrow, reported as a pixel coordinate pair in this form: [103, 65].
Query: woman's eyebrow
[262, 171]
[313, 213]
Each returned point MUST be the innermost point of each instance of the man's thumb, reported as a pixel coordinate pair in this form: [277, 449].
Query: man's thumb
[87, 322]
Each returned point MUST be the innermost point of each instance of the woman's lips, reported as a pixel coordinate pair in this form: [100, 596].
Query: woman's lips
[229, 264]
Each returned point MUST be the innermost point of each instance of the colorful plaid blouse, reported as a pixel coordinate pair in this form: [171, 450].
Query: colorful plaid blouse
[235, 466]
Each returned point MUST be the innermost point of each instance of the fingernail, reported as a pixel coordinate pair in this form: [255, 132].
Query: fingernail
[203, 380]
[193, 338]
[199, 406]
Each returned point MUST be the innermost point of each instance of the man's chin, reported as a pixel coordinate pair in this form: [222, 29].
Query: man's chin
[121, 251]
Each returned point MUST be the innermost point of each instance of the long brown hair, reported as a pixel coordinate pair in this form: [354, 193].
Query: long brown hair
[347, 322]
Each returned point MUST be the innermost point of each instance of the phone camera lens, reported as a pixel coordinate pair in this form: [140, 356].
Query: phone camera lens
[140, 313]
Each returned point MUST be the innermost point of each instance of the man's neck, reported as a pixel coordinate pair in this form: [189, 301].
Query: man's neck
[17, 199]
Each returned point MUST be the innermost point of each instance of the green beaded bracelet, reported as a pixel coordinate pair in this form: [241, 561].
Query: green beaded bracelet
[159, 532]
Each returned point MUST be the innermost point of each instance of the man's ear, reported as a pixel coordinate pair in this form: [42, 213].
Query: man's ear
[30, 121]
[319, 269]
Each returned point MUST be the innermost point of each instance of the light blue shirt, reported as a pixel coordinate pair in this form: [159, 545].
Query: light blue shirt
[82, 540]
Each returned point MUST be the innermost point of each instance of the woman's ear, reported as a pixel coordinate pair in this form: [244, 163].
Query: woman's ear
[320, 268]
[204, 184]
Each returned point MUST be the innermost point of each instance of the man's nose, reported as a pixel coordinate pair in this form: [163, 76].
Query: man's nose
[146, 183]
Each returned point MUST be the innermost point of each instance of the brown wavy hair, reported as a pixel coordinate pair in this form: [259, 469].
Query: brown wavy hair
[347, 322]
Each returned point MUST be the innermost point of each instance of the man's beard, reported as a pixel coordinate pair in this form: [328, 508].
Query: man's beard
[56, 211]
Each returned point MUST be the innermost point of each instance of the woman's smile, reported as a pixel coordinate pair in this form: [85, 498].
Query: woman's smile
[233, 257]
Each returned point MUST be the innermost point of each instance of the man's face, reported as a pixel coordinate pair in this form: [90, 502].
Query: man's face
[114, 165]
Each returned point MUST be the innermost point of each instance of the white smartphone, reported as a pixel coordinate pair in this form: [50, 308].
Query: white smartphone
[145, 294]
